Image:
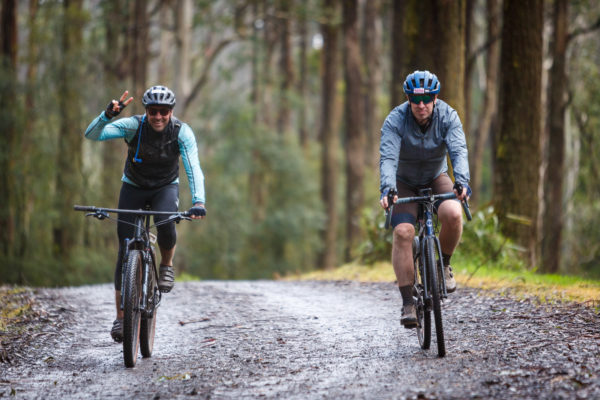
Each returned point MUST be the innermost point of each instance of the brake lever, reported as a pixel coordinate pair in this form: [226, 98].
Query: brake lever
[99, 214]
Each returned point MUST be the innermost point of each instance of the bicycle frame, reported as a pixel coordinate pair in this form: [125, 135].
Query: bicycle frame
[142, 240]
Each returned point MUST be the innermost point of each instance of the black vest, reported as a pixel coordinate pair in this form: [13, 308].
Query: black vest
[159, 152]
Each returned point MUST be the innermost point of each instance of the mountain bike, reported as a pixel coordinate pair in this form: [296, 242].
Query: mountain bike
[140, 296]
[430, 284]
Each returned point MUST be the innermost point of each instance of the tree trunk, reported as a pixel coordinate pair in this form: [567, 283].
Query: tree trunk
[553, 181]
[371, 40]
[329, 132]
[490, 101]
[303, 81]
[355, 132]
[448, 54]
[518, 153]
[286, 68]
[184, 23]
[69, 179]
[139, 54]
[8, 138]
[469, 25]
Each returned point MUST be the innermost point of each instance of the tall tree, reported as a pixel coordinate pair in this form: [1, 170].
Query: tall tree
[448, 54]
[371, 50]
[139, 52]
[69, 178]
[553, 181]
[302, 83]
[183, 40]
[355, 131]
[8, 139]
[517, 152]
[328, 132]
[486, 123]
[286, 67]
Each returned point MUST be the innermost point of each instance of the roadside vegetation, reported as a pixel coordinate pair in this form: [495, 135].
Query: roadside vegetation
[485, 260]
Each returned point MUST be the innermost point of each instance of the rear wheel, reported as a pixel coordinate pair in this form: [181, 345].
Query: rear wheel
[131, 307]
[433, 285]
[148, 324]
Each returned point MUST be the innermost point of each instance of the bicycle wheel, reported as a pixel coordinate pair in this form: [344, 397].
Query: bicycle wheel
[131, 310]
[148, 324]
[423, 312]
[434, 292]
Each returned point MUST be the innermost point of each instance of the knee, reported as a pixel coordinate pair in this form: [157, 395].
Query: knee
[404, 232]
[452, 216]
[167, 238]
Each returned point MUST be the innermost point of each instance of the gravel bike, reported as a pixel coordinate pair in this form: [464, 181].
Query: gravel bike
[430, 284]
[140, 296]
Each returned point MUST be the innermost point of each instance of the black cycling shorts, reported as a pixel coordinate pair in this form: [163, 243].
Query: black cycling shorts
[165, 198]
[407, 213]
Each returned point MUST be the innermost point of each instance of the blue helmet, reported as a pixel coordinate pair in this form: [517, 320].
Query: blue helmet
[422, 82]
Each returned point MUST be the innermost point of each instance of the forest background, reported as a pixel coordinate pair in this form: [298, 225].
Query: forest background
[286, 99]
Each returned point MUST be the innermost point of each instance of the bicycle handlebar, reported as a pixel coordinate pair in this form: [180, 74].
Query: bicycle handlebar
[137, 212]
[435, 197]
[423, 199]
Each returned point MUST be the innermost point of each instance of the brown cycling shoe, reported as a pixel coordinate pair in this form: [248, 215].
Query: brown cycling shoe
[117, 330]
[450, 281]
[409, 316]
[166, 278]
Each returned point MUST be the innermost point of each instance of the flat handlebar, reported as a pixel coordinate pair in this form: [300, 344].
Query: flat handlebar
[137, 212]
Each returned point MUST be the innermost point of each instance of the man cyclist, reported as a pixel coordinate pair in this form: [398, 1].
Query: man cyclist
[415, 139]
[155, 141]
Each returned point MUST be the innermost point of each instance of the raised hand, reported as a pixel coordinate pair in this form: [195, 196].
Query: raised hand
[115, 107]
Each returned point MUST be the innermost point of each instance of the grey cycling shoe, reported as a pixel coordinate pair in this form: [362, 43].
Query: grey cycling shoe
[117, 330]
[166, 278]
[450, 281]
[409, 316]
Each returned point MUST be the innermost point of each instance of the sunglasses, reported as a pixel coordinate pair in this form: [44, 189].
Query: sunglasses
[163, 111]
[425, 98]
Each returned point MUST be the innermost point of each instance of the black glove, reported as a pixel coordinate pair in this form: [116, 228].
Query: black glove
[388, 192]
[198, 211]
[459, 188]
[110, 113]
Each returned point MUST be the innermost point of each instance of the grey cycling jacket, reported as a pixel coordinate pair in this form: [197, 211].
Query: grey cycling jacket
[417, 158]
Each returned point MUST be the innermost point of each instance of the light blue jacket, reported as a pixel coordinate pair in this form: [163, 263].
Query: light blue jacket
[416, 158]
[102, 129]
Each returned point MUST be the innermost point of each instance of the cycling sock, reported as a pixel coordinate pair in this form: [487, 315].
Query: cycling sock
[446, 259]
[407, 294]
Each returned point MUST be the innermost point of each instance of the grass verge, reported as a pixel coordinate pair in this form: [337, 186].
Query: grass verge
[521, 284]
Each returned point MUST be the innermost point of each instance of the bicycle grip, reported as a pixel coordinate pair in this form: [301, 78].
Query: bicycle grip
[83, 208]
[465, 205]
[388, 216]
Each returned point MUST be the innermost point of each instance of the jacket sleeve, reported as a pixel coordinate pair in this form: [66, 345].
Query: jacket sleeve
[389, 152]
[456, 144]
[102, 129]
[189, 155]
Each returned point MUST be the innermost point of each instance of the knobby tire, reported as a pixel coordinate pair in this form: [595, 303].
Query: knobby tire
[148, 323]
[434, 291]
[423, 312]
[131, 307]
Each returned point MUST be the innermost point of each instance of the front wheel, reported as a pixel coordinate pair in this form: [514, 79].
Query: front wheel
[434, 292]
[423, 311]
[131, 307]
[148, 324]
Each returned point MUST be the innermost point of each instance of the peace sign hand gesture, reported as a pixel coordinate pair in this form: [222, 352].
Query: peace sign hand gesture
[115, 107]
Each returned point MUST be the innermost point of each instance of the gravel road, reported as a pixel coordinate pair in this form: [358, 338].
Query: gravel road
[307, 340]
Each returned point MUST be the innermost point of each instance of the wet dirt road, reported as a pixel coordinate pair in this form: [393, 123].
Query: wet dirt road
[309, 340]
